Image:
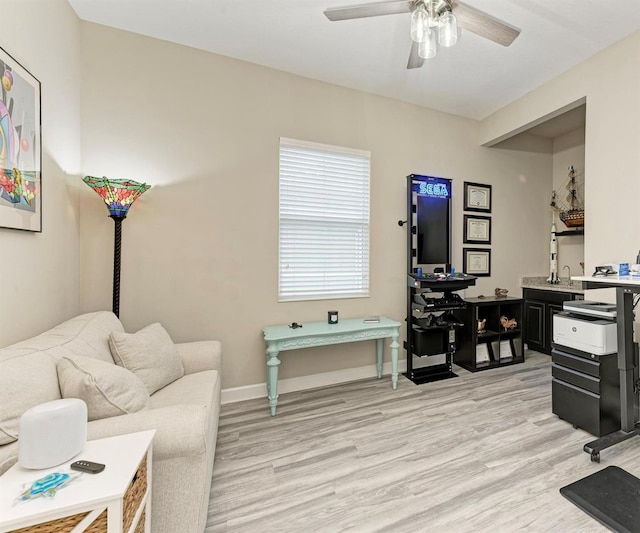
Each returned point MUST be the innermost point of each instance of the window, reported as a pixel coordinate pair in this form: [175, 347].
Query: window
[324, 222]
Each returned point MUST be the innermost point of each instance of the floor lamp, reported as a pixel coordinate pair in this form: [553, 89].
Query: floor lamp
[119, 196]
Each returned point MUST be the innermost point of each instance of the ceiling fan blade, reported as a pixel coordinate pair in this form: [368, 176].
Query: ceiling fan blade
[415, 61]
[369, 10]
[484, 25]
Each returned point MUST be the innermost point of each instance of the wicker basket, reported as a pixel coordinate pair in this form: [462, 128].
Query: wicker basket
[140, 525]
[132, 499]
[135, 493]
[66, 524]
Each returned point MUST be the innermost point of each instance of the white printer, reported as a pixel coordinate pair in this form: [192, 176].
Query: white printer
[587, 326]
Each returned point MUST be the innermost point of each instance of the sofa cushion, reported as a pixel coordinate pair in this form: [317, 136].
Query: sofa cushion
[150, 354]
[26, 380]
[107, 389]
[86, 335]
[196, 389]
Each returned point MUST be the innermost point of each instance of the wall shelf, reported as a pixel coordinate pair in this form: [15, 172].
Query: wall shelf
[569, 232]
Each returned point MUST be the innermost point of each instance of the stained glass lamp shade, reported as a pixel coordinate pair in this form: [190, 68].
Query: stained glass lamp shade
[118, 195]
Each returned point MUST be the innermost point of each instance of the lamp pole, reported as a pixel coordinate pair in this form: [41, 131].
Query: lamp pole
[118, 195]
[117, 245]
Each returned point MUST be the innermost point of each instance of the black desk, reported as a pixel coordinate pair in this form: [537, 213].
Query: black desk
[626, 288]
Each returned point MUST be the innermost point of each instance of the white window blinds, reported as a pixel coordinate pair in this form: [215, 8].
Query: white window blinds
[324, 221]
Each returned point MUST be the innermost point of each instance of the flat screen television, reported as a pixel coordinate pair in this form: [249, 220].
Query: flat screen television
[433, 222]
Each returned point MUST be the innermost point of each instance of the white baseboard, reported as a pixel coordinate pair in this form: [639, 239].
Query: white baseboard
[259, 390]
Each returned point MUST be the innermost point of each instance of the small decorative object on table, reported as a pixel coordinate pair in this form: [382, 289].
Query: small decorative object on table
[52, 433]
[48, 486]
[332, 317]
[501, 293]
[482, 325]
[508, 323]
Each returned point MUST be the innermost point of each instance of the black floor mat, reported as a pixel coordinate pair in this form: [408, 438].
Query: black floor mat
[611, 496]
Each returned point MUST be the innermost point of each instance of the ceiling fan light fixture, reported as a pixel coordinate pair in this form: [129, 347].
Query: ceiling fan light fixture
[419, 23]
[429, 17]
[428, 48]
[447, 29]
[432, 9]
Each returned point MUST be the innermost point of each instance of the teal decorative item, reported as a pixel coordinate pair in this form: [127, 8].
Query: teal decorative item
[48, 486]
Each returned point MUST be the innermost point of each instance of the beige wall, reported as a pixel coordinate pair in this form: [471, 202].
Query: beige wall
[610, 81]
[39, 271]
[200, 248]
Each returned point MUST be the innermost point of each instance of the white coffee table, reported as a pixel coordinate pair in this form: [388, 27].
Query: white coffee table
[118, 499]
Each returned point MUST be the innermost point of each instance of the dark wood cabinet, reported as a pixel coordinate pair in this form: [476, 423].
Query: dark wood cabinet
[496, 345]
[534, 323]
[539, 307]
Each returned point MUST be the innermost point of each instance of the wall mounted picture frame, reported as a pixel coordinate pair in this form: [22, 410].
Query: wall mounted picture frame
[476, 261]
[20, 147]
[477, 229]
[477, 197]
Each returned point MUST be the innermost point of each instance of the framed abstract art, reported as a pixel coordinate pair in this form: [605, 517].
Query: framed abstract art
[20, 147]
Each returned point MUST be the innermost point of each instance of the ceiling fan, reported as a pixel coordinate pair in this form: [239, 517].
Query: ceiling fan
[429, 17]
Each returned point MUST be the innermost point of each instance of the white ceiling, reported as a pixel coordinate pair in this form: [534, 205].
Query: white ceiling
[472, 79]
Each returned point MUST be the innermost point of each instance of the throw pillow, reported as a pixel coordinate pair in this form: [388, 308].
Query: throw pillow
[107, 389]
[150, 354]
[25, 381]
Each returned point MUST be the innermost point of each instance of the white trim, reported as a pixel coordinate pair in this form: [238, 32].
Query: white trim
[313, 381]
[325, 147]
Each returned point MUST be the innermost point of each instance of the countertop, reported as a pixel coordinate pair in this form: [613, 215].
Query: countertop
[540, 283]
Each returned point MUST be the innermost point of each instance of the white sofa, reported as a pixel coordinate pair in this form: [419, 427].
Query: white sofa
[184, 413]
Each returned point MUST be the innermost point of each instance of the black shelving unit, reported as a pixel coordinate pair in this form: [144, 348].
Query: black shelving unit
[496, 346]
[431, 299]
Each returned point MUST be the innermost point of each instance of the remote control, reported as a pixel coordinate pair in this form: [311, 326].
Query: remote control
[87, 466]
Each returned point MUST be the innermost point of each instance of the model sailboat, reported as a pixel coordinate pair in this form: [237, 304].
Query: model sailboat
[572, 209]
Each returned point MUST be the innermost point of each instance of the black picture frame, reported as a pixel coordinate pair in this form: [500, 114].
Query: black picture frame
[477, 229]
[476, 261]
[21, 170]
[477, 197]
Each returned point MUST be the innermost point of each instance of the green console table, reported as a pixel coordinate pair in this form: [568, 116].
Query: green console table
[281, 338]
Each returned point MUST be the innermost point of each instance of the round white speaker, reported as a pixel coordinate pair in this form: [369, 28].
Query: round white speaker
[52, 433]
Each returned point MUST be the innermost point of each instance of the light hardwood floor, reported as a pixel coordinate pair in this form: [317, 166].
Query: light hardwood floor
[481, 452]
